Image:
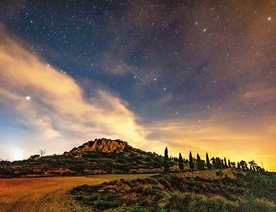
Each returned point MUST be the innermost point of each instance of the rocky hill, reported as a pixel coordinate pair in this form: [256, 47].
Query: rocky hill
[101, 145]
[93, 157]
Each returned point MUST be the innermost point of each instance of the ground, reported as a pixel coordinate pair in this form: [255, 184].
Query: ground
[47, 194]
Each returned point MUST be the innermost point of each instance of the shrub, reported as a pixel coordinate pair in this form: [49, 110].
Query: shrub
[136, 208]
[103, 204]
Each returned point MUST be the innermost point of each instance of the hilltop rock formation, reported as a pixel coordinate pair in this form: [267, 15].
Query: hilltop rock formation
[102, 145]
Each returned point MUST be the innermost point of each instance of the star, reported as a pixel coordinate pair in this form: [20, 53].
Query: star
[28, 98]
[269, 18]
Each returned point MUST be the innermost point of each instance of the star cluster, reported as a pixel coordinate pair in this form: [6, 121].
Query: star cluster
[192, 75]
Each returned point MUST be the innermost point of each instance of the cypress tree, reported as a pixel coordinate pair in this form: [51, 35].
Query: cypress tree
[229, 163]
[209, 166]
[225, 164]
[198, 161]
[213, 161]
[166, 162]
[191, 161]
[180, 162]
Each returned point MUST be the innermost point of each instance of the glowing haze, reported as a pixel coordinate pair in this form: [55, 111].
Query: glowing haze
[203, 89]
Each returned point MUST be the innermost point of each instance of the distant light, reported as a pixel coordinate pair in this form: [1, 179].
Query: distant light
[269, 18]
[204, 30]
[28, 98]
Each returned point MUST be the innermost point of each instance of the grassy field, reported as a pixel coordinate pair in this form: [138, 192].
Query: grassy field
[47, 194]
[227, 190]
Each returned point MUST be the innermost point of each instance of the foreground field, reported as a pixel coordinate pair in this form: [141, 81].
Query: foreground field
[47, 194]
[208, 190]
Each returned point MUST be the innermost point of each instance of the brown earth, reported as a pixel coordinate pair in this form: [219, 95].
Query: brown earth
[47, 194]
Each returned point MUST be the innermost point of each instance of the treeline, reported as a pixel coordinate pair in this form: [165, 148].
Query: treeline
[214, 163]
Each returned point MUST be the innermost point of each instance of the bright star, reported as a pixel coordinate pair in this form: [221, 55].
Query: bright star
[269, 18]
[28, 98]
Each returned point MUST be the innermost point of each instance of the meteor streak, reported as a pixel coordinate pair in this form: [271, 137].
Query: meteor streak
[137, 75]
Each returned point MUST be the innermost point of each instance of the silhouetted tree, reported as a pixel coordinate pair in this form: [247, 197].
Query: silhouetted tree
[166, 162]
[191, 161]
[198, 160]
[252, 164]
[239, 166]
[217, 163]
[213, 161]
[200, 163]
[180, 162]
[233, 164]
[243, 165]
[229, 163]
[225, 164]
[42, 152]
[259, 169]
[209, 166]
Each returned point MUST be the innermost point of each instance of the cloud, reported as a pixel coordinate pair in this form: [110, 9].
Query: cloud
[59, 115]
[57, 110]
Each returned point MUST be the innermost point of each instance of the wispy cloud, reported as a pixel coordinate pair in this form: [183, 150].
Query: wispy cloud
[57, 109]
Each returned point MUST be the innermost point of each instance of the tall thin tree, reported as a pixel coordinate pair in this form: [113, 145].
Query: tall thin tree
[209, 166]
[180, 162]
[191, 161]
[166, 162]
[198, 161]
[225, 163]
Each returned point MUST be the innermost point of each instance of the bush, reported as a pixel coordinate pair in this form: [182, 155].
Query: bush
[136, 208]
[103, 204]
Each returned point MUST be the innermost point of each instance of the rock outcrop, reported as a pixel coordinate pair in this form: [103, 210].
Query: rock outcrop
[101, 145]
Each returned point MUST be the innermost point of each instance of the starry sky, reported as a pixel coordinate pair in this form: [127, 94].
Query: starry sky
[191, 75]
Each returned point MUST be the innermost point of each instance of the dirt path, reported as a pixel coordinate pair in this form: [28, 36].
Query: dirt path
[46, 194]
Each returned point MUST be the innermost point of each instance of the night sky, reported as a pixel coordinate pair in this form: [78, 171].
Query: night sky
[191, 75]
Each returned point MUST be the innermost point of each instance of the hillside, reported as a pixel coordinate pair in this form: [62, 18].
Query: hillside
[208, 190]
[101, 156]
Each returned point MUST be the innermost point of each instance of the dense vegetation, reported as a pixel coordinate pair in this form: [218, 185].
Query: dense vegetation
[208, 190]
[130, 160]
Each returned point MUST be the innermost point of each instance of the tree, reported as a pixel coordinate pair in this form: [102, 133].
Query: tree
[166, 162]
[225, 164]
[213, 161]
[217, 163]
[229, 163]
[209, 166]
[180, 162]
[191, 161]
[252, 164]
[200, 163]
[243, 165]
[239, 166]
[198, 160]
[42, 152]
[233, 164]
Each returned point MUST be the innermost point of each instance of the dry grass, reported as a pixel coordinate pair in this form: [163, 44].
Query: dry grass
[46, 194]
